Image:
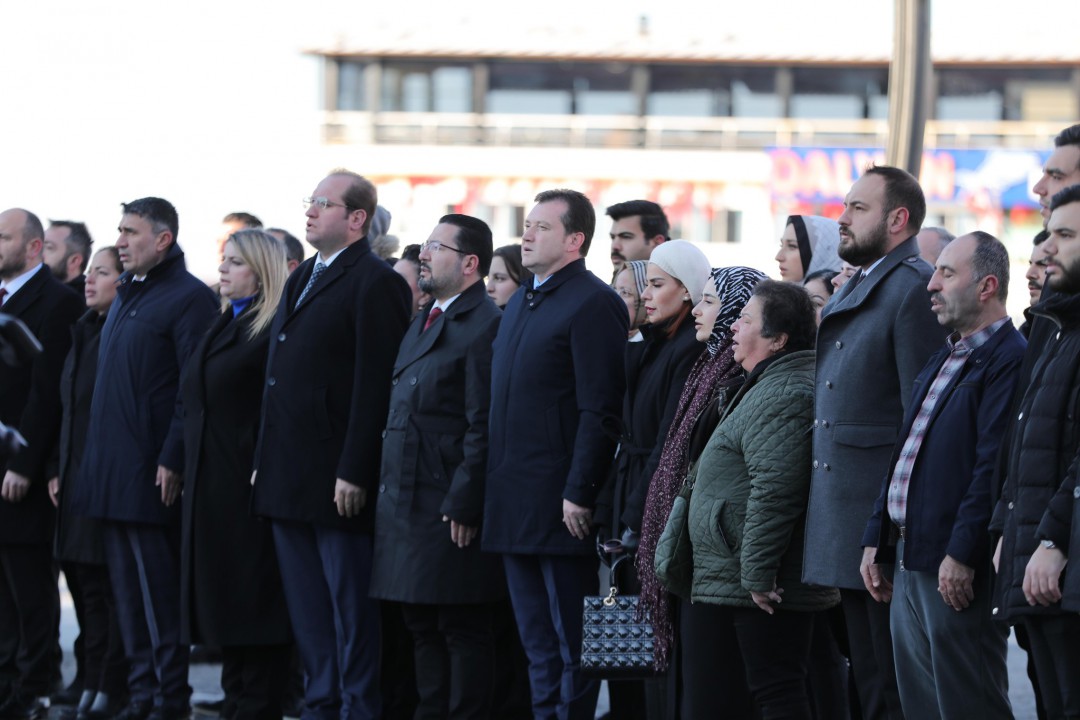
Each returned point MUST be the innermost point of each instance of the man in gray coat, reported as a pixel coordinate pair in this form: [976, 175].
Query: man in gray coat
[876, 334]
[431, 491]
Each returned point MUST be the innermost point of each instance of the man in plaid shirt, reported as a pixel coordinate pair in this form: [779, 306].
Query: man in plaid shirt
[934, 508]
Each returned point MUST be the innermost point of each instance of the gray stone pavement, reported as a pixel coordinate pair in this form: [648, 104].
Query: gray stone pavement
[205, 679]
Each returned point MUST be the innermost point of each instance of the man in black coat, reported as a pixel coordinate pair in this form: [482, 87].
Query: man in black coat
[557, 383]
[332, 349]
[30, 403]
[434, 460]
[67, 252]
[1034, 530]
[132, 469]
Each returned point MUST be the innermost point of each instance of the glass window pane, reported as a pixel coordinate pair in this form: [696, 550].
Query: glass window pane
[350, 90]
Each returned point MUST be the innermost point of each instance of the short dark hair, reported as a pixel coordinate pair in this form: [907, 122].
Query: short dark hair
[825, 275]
[360, 195]
[411, 253]
[579, 216]
[77, 241]
[1068, 136]
[511, 257]
[786, 308]
[991, 258]
[902, 190]
[294, 249]
[651, 216]
[1067, 196]
[246, 219]
[473, 237]
[158, 212]
[1041, 237]
[33, 227]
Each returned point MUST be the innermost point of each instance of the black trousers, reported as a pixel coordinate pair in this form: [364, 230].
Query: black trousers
[776, 651]
[711, 665]
[455, 659]
[1055, 648]
[870, 643]
[100, 648]
[255, 679]
[27, 619]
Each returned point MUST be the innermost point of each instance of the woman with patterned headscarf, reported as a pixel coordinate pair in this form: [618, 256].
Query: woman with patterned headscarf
[713, 379]
[629, 284]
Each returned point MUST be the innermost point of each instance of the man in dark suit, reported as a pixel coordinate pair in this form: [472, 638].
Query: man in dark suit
[332, 349]
[30, 403]
[131, 473]
[67, 252]
[557, 384]
[935, 505]
[434, 460]
[876, 335]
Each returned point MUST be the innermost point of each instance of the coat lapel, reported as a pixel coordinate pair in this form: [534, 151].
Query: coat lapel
[855, 296]
[25, 296]
[337, 269]
[418, 342]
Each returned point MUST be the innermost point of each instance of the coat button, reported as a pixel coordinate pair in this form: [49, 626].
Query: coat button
[825, 423]
[815, 423]
[1020, 416]
[994, 611]
[529, 296]
[384, 434]
[1076, 492]
[826, 467]
[131, 314]
[271, 382]
[828, 384]
[839, 344]
[437, 476]
[815, 464]
[1011, 505]
[382, 488]
[394, 381]
[412, 380]
[281, 337]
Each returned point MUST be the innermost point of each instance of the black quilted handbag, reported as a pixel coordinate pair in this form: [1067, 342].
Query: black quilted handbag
[616, 643]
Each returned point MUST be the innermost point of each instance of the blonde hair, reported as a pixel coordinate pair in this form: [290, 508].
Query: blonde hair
[265, 255]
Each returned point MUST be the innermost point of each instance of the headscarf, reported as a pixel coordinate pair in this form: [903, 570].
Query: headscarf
[715, 368]
[639, 269]
[683, 261]
[818, 238]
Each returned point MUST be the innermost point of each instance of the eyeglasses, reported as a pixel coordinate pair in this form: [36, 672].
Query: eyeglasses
[322, 203]
[434, 246]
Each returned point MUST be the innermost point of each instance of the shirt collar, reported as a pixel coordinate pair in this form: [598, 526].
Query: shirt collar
[12, 286]
[973, 342]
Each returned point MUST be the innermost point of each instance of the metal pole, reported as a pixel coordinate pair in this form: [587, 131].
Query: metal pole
[909, 84]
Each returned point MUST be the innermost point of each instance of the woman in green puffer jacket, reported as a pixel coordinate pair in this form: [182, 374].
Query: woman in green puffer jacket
[748, 509]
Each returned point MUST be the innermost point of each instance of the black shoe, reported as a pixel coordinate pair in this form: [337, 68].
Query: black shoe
[292, 707]
[103, 711]
[135, 710]
[69, 695]
[183, 713]
[23, 708]
[212, 707]
[205, 655]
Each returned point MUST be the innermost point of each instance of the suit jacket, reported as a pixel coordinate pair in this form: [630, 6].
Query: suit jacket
[874, 339]
[434, 460]
[557, 383]
[30, 402]
[230, 585]
[948, 502]
[152, 328]
[328, 388]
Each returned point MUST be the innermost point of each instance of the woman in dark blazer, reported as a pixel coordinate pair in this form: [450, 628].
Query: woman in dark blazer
[78, 539]
[230, 585]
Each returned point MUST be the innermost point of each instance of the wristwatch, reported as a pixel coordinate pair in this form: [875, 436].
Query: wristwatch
[1049, 544]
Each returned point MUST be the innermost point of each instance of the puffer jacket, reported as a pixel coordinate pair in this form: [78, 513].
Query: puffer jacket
[1044, 440]
[752, 483]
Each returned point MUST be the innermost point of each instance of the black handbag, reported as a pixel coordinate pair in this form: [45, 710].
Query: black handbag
[616, 642]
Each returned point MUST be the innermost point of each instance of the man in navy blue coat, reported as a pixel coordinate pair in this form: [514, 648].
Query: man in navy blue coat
[132, 470]
[935, 505]
[557, 383]
[332, 349]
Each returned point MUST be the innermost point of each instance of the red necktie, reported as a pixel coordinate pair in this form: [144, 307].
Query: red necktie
[435, 312]
[3, 294]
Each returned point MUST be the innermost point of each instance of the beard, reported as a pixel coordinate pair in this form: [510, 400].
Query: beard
[436, 287]
[862, 251]
[1066, 279]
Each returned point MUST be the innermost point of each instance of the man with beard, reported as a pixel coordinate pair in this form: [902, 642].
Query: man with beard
[935, 503]
[637, 227]
[876, 335]
[1036, 525]
[67, 252]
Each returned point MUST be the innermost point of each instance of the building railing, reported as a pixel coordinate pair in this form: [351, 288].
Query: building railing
[658, 133]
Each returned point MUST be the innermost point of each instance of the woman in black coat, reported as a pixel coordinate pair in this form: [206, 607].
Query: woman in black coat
[656, 370]
[230, 584]
[78, 539]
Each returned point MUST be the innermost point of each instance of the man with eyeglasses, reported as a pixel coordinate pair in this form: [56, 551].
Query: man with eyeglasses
[333, 343]
[433, 472]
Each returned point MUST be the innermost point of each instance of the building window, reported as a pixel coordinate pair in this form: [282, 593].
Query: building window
[426, 87]
[839, 93]
[350, 89]
[560, 89]
[713, 91]
[1033, 94]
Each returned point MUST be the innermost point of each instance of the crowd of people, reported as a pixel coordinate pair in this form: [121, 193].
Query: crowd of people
[383, 486]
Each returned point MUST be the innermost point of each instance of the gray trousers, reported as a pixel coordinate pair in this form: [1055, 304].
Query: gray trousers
[949, 665]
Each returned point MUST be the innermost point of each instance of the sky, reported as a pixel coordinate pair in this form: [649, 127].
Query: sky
[215, 106]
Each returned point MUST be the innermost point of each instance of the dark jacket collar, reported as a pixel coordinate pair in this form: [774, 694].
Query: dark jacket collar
[561, 275]
[171, 264]
[1062, 309]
